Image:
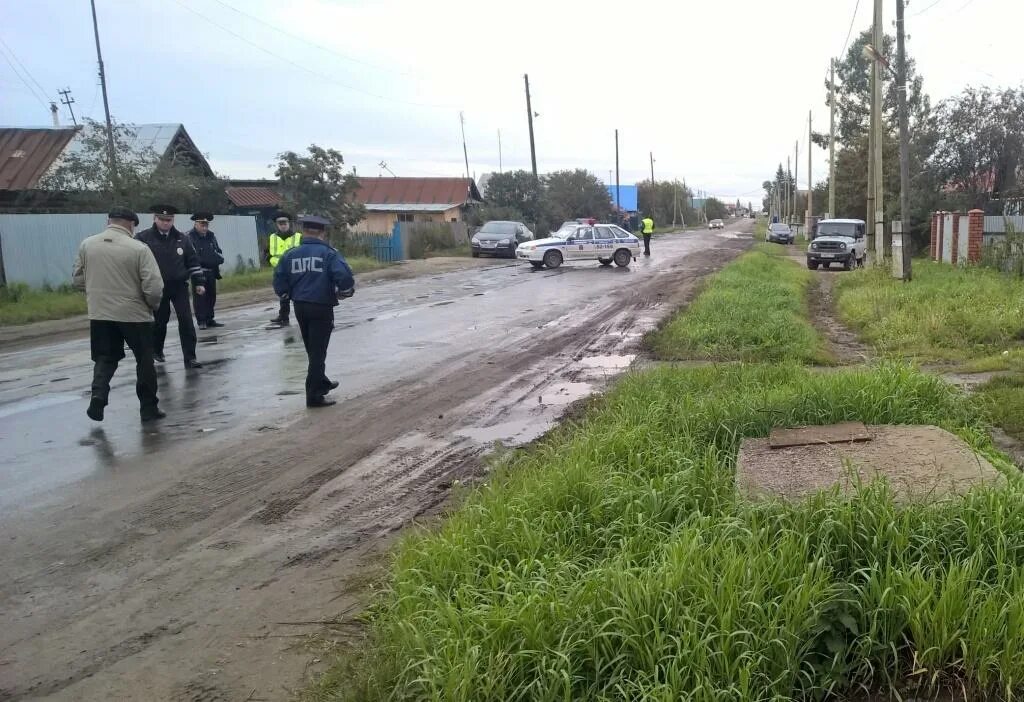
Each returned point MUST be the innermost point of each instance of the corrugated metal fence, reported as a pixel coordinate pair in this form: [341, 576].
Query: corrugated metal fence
[39, 249]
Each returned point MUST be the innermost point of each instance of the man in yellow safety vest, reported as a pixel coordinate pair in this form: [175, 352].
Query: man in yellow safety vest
[280, 241]
[648, 230]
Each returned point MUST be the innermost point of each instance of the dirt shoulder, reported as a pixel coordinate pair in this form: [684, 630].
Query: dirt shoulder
[214, 585]
[70, 328]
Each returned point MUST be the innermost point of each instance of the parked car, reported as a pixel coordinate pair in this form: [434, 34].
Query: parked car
[716, 224]
[499, 238]
[779, 233]
[838, 241]
[605, 243]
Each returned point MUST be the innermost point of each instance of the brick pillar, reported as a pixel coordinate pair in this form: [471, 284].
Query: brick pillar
[955, 248]
[975, 235]
[935, 233]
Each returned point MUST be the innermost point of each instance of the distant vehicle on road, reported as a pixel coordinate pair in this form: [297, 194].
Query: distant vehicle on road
[605, 243]
[838, 241]
[779, 233]
[716, 224]
[499, 238]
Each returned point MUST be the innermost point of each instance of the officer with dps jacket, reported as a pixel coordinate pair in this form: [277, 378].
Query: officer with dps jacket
[178, 263]
[314, 275]
[210, 258]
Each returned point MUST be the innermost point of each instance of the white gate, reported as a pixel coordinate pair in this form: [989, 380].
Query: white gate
[947, 238]
[964, 240]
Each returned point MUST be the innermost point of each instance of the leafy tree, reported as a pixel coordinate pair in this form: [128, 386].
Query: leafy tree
[665, 200]
[518, 192]
[577, 193]
[318, 184]
[715, 208]
[82, 176]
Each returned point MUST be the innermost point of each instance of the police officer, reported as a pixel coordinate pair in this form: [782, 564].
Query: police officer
[281, 240]
[210, 258]
[178, 263]
[314, 275]
[122, 286]
[648, 230]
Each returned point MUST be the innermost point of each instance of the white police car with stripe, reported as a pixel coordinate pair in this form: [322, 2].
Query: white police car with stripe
[606, 243]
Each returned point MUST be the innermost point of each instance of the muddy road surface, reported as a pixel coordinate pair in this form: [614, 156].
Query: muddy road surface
[192, 560]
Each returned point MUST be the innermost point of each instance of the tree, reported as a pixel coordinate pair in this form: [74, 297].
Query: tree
[81, 176]
[577, 193]
[665, 200]
[317, 184]
[980, 150]
[715, 208]
[517, 191]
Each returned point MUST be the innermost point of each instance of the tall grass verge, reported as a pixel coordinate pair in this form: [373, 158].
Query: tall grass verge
[614, 560]
[755, 309]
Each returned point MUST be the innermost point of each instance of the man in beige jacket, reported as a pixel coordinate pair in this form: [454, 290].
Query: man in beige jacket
[122, 286]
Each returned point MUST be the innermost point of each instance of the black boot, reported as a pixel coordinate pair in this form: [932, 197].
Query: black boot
[151, 414]
[320, 402]
[95, 410]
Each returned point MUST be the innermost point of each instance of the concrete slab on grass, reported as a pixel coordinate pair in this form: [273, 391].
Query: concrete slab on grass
[825, 434]
[918, 462]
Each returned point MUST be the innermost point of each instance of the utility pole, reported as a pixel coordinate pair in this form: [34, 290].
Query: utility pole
[901, 89]
[529, 117]
[832, 142]
[111, 158]
[465, 154]
[653, 198]
[66, 99]
[789, 189]
[796, 178]
[617, 205]
[499, 151]
[876, 104]
[810, 180]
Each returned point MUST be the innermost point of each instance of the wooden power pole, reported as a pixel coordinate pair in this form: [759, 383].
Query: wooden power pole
[901, 88]
[810, 180]
[529, 118]
[876, 108]
[111, 156]
[832, 143]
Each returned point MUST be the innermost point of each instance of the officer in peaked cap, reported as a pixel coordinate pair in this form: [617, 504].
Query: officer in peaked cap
[210, 258]
[179, 264]
[314, 275]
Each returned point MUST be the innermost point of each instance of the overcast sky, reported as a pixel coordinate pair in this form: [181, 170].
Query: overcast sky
[719, 91]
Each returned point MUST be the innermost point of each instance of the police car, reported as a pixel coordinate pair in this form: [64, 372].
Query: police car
[588, 241]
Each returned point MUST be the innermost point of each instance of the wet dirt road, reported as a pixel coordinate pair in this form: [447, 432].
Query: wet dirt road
[181, 561]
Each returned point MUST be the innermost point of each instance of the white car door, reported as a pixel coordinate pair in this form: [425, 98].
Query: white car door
[582, 244]
[604, 241]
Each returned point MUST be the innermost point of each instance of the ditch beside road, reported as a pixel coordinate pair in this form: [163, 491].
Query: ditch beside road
[185, 561]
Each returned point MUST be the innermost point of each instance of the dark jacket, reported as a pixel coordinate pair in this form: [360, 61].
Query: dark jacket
[313, 272]
[210, 255]
[175, 255]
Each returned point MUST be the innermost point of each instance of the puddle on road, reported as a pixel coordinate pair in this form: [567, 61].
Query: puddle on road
[561, 394]
[619, 362]
[510, 433]
[35, 403]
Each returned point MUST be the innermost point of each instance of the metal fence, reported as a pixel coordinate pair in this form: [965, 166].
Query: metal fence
[40, 249]
[1000, 225]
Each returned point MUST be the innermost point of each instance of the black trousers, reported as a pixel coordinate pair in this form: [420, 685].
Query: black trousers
[647, 244]
[107, 340]
[205, 303]
[176, 294]
[316, 322]
[284, 312]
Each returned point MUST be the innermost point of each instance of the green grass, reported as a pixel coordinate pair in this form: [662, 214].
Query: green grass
[945, 314]
[753, 310]
[21, 305]
[1004, 399]
[462, 251]
[613, 560]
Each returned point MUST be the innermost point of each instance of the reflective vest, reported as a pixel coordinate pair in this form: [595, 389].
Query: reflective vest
[279, 244]
[648, 225]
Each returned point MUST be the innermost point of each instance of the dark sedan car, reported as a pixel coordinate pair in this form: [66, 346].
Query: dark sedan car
[779, 233]
[500, 239]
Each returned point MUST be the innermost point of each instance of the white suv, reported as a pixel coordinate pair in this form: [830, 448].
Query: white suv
[838, 241]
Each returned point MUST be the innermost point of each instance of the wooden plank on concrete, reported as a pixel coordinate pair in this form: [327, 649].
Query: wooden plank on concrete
[842, 433]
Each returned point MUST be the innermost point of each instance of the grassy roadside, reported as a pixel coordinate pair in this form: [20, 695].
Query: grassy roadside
[614, 559]
[754, 310]
[22, 305]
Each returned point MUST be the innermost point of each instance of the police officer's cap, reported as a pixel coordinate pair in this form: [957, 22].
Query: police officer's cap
[315, 223]
[281, 214]
[163, 210]
[202, 217]
[123, 213]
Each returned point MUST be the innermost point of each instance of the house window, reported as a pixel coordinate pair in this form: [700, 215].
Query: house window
[405, 218]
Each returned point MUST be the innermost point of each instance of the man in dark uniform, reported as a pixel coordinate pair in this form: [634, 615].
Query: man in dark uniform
[313, 276]
[178, 263]
[122, 286]
[210, 258]
[279, 241]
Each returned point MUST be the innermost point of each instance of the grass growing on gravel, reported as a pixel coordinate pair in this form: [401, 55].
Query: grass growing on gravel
[945, 314]
[1004, 397]
[755, 309]
[614, 561]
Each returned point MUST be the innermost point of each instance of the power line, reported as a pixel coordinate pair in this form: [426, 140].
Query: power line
[280, 30]
[930, 6]
[41, 97]
[849, 32]
[321, 76]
